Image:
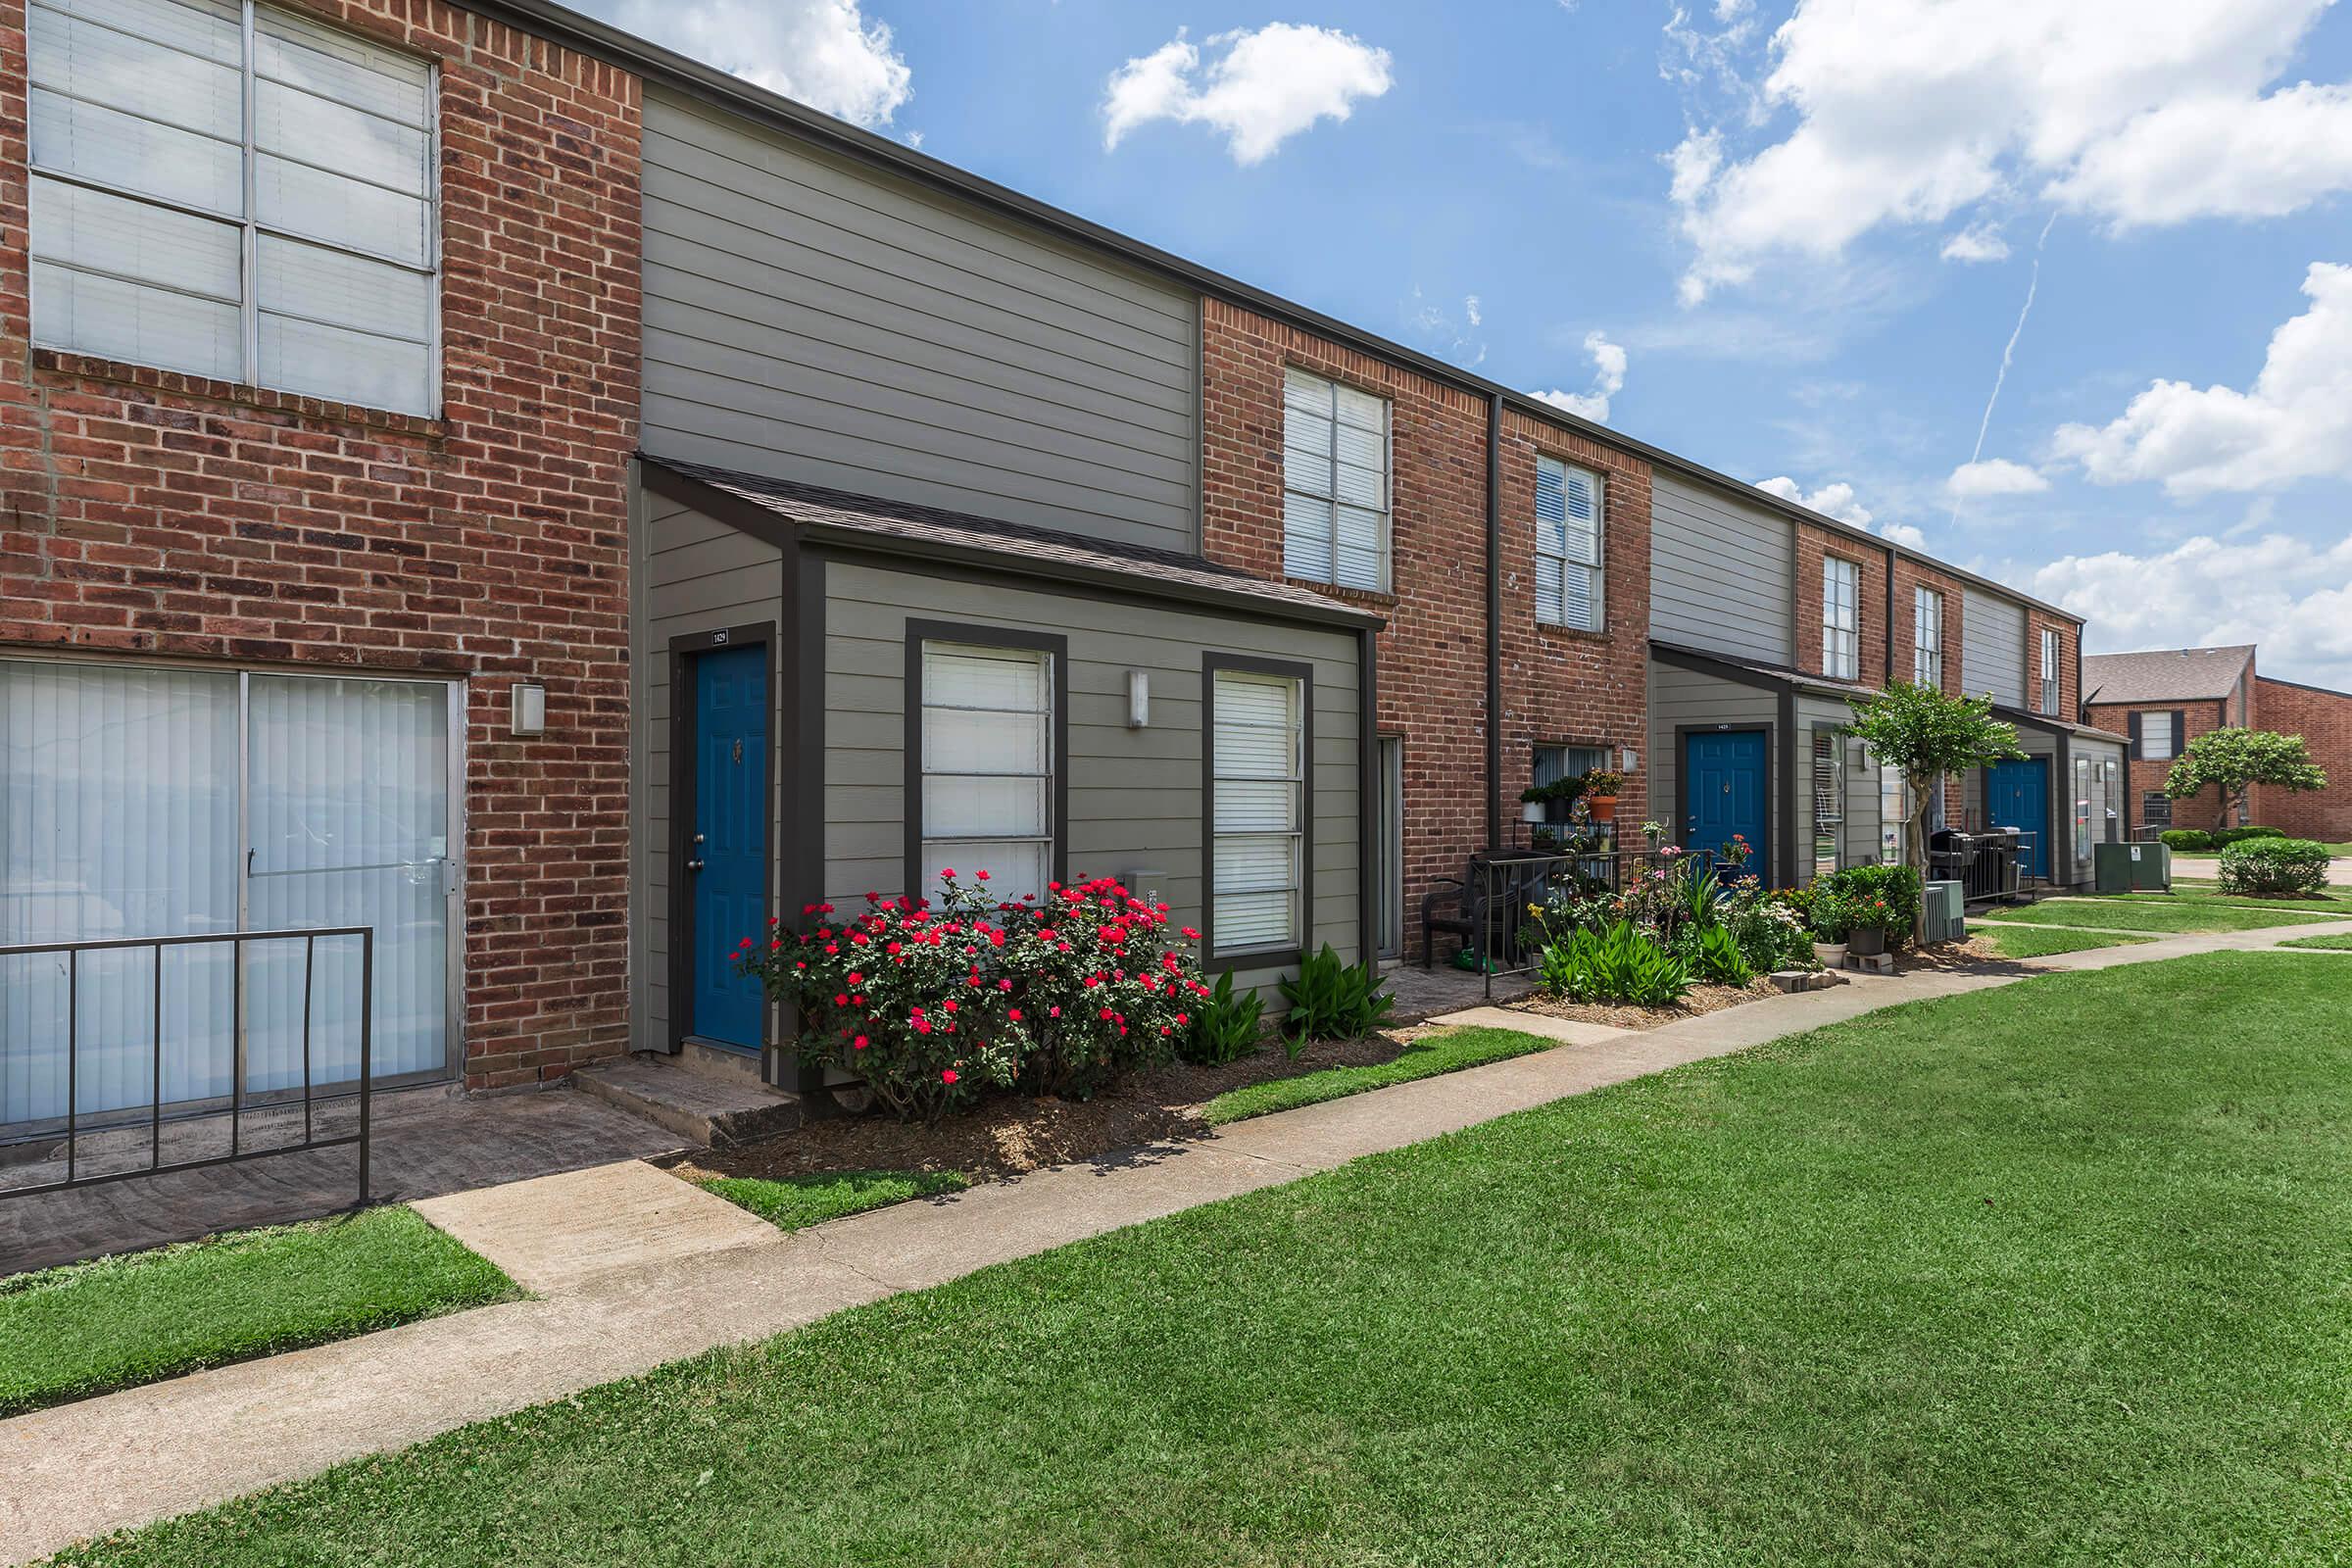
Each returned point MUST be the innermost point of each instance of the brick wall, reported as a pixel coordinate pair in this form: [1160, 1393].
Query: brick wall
[160, 514]
[2323, 720]
[1909, 578]
[2036, 621]
[2200, 717]
[1814, 543]
[1559, 687]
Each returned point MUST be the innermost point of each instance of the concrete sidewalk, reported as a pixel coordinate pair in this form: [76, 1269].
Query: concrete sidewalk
[625, 1296]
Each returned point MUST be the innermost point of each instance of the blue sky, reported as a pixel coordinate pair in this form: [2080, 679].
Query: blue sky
[1790, 239]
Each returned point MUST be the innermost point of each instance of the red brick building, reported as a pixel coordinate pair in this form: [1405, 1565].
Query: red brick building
[180, 544]
[2165, 698]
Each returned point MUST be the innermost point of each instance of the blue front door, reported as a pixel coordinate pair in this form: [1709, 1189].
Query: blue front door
[1724, 788]
[726, 852]
[2019, 793]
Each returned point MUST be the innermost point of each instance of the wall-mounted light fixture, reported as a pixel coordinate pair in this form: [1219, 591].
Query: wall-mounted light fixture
[1633, 760]
[1138, 698]
[528, 718]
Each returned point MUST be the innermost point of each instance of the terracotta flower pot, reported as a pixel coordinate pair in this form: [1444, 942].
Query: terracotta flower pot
[1603, 808]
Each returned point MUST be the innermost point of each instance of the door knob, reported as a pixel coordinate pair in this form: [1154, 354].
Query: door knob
[694, 865]
[698, 838]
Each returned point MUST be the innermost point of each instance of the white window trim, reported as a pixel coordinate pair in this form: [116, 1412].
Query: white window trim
[2051, 652]
[1841, 645]
[1301, 696]
[1386, 582]
[1560, 561]
[1926, 637]
[926, 840]
[252, 230]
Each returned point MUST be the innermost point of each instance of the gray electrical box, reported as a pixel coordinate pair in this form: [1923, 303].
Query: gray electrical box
[1946, 912]
[2131, 868]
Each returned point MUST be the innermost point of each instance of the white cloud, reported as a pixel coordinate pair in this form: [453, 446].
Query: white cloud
[1266, 88]
[2289, 595]
[1995, 476]
[1694, 161]
[1610, 363]
[1979, 242]
[1908, 112]
[1902, 533]
[1470, 308]
[2294, 423]
[1831, 500]
[2217, 156]
[824, 53]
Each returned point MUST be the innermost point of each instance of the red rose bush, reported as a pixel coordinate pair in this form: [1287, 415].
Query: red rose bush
[932, 1004]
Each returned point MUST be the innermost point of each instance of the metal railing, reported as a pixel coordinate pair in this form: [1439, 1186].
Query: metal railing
[238, 1153]
[1503, 887]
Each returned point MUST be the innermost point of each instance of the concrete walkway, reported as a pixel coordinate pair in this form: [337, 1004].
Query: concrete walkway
[638, 1294]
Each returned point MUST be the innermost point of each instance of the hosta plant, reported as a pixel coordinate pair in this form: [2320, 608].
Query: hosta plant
[1330, 998]
[1618, 965]
[1229, 1025]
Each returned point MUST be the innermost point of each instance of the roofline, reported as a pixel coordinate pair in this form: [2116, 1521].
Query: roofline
[2301, 685]
[749, 516]
[655, 63]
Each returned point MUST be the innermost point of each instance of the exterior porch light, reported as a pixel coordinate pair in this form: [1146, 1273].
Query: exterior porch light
[1631, 761]
[527, 718]
[1138, 698]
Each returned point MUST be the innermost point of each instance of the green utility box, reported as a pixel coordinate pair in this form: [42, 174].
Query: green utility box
[2133, 868]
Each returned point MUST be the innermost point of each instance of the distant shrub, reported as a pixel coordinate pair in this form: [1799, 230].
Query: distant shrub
[2227, 836]
[2274, 867]
[2187, 841]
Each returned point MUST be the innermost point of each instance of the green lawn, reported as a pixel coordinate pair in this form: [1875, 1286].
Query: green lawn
[2040, 941]
[68, 1333]
[2336, 901]
[1425, 1058]
[801, 1201]
[2336, 944]
[2174, 916]
[2048, 1274]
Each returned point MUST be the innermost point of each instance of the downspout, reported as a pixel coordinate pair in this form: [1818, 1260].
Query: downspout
[1494, 620]
[1889, 618]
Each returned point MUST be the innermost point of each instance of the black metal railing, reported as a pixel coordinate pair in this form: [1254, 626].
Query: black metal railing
[1505, 886]
[238, 1107]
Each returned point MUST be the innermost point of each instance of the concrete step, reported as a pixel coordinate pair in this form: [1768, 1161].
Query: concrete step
[717, 1061]
[706, 1111]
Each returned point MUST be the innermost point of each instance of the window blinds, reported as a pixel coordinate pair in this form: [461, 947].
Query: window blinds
[1257, 782]
[1335, 479]
[1568, 543]
[988, 767]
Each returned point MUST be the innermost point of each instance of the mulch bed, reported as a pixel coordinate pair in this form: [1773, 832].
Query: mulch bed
[1007, 1135]
[1972, 953]
[1699, 1000]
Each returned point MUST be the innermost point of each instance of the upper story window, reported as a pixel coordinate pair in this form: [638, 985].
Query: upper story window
[1927, 638]
[1841, 618]
[1568, 561]
[2156, 738]
[1335, 483]
[235, 192]
[2049, 670]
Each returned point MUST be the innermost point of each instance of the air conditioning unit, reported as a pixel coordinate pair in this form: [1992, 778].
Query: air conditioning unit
[1946, 912]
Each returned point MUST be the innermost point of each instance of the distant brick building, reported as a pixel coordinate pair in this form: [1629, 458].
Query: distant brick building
[2165, 698]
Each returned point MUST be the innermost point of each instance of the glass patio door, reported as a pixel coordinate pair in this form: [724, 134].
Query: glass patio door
[171, 802]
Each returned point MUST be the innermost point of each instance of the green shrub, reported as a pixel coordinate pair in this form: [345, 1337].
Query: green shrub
[1332, 1000]
[1833, 914]
[1229, 1025]
[1619, 965]
[2227, 836]
[1719, 962]
[2274, 866]
[1771, 932]
[2187, 840]
[1883, 896]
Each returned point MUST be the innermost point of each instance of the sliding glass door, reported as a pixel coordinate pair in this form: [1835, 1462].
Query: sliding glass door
[167, 801]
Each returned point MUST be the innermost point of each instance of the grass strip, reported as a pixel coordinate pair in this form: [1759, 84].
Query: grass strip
[2125, 913]
[1425, 1058]
[792, 1202]
[2040, 942]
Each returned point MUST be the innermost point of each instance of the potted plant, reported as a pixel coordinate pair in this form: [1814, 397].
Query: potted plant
[1653, 831]
[1871, 917]
[1599, 789]
[1833, 915]
[1536, 799]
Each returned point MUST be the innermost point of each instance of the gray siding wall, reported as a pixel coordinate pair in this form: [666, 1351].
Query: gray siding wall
[1685, 696]
[1992, 648]
[810, 319]
[1720, 571]
[1133, 794]
[696, 576]
[1858, 836]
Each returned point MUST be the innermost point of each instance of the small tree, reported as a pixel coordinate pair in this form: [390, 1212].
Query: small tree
[1927, 736]
[2234, 760]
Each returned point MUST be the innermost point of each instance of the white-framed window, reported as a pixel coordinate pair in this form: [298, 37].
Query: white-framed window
[234, 191]
[1555, 762]
[2156, 738]
[988, 767]
[2049, 670]
[1569, 511]
[1927, 638]
[1335, 483]
[1257, 782]
[1841, 618]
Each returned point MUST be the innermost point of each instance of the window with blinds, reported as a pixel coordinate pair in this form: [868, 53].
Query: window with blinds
[2049, 671]
[1256, 811]
[1335, 483]
[237, 192]
[1568, 562]
[988, 767]
[1927, 639]
[1841, 618]
[1828, 800]
[1551, 764]
[2156, 738]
